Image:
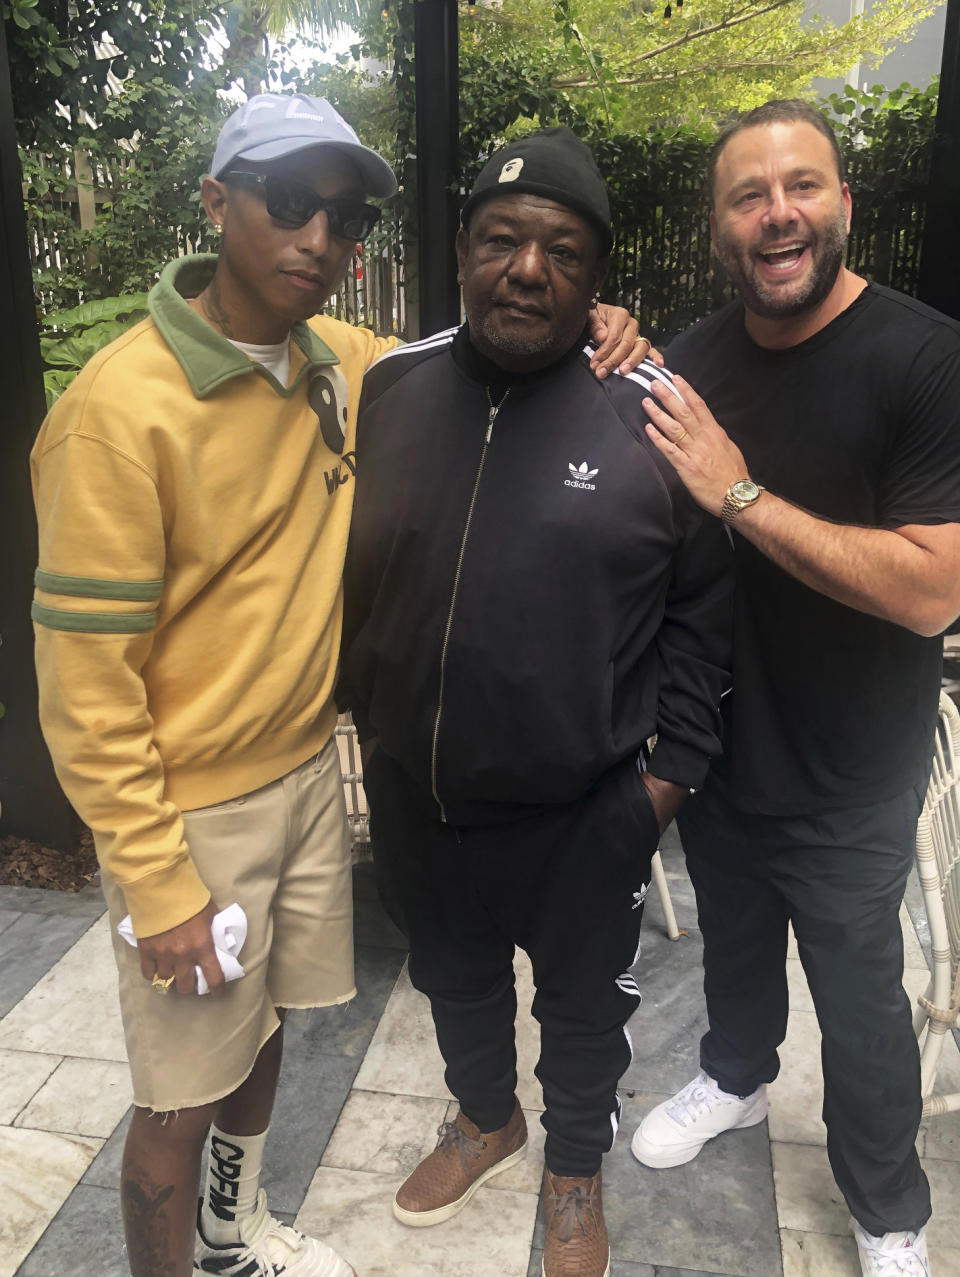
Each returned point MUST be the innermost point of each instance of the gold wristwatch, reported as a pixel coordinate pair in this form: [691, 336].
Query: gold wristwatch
[737, 497]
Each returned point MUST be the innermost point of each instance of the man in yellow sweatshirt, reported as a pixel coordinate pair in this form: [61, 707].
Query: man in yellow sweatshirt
[194, 490]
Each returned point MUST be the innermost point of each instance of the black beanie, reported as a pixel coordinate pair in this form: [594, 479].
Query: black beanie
[553, 164]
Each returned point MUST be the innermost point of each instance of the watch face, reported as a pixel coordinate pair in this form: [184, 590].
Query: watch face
[744, 490]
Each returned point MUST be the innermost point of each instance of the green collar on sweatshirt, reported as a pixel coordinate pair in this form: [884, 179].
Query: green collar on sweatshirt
[206, 357]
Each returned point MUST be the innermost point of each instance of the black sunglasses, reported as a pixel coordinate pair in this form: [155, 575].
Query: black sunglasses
[295, 203]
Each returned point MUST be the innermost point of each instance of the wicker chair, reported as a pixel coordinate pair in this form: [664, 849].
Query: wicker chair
[938, 864]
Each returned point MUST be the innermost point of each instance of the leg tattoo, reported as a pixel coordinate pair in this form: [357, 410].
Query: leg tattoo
[147, 1225]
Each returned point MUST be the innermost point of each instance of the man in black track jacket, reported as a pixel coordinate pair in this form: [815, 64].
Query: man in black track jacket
[531, 595]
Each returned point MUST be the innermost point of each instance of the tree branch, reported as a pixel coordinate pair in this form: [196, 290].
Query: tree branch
[713, 68]
[579, 82]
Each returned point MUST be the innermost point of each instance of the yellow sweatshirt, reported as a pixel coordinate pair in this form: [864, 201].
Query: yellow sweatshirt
[193, 524]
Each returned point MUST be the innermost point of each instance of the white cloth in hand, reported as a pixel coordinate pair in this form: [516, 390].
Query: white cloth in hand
[229, 931]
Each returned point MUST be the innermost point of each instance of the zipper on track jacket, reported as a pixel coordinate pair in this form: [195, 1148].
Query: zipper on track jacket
[494, 410]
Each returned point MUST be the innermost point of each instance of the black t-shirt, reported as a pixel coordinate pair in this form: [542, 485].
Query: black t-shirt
[860, 424]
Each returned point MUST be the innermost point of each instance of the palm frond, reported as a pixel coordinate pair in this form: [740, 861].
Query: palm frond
[321, 18]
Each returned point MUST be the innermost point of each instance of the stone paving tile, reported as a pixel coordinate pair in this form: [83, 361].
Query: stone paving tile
[822, 1255]
[796, 1097]
[667, 1026]
[913, 903]
[686, 1272]
[8, 916]
[819, 1255]
[104, 1170]
[389, 1134]
[618, 1268]
[89, 1230]
[347, 1029]
[351, 1211]
[74, 1005]
[621, 1268]
[913, 954]
[403, 1058]
[322, 1050]
[940, 1137]
[81, 1097]
[22, 1074]
[715, 1215]
[808, 1199]
[88, 903]
[313, 1089]
[31, 1200]
[943, 1231]
[30, 946]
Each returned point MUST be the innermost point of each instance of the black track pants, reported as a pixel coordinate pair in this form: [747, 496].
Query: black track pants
[567, 886]
[839, 878]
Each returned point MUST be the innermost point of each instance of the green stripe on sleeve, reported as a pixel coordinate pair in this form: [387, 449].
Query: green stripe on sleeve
[90, 587]
[55, 618]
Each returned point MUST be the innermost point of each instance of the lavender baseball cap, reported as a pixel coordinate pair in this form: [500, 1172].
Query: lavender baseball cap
[272, 125]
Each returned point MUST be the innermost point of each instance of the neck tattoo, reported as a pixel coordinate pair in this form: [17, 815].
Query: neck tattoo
[212, 308]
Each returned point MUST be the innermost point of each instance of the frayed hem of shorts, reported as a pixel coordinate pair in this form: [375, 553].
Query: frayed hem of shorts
[166, 1115]
[316, 1006]
[165, 1112]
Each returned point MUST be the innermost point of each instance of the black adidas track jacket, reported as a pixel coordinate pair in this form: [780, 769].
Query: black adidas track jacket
[530, 592]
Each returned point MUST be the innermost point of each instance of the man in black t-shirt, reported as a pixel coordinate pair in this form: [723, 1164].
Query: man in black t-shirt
[838, 471]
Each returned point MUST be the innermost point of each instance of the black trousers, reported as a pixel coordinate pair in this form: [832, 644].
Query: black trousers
[839, 879]
[567, 886]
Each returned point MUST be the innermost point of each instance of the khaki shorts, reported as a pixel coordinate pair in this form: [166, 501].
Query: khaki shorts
[283, 854]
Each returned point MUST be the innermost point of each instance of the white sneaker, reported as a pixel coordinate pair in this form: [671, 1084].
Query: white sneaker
[676, 1130]
[893, 1254]
[268, 1248]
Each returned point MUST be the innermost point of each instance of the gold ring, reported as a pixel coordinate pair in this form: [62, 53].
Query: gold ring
[681, 435]
[645, 340]
[161, 985]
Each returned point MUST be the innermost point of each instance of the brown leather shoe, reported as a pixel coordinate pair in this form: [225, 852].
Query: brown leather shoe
[576, 1244]
[464, 1158]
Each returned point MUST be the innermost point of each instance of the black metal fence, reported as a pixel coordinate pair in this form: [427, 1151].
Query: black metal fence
[373, 294]
[68, 269]
[887, 229]
[662, 269]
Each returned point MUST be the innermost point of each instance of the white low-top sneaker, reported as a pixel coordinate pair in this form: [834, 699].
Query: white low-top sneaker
[268, 1248]
[676, 1130]
[893, 1254]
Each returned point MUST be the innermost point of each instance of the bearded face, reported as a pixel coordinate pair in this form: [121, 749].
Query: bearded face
[778, 274]
[781, 217]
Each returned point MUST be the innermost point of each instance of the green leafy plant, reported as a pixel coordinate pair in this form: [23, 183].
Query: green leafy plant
[70, 337]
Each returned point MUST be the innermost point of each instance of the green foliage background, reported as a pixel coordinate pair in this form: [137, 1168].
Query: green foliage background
[142, 88]
[625, 66]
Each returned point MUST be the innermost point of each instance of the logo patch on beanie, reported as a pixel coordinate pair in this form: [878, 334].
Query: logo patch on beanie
[511, 170]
